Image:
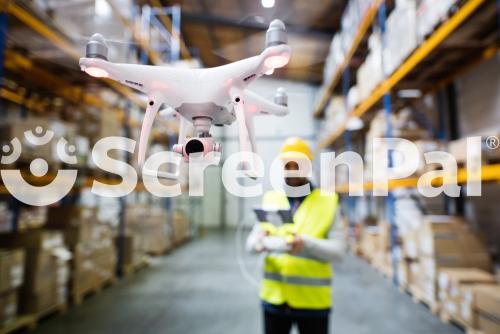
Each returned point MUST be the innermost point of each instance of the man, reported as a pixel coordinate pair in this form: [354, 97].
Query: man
[296, 286]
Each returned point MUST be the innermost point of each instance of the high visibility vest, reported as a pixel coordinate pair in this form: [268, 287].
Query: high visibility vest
[300, 282]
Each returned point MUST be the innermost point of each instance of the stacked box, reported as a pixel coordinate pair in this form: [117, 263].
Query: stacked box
[91, 243]
[382, 259]
[446, 242]
[31, 218]
[456, 286]
[370, 242]
[106, 124]
[408, 270]
[148, 224]
[46, 269]
[429, 14]
[8, 307]
[181, 226]
[5, 218]
[487, 305]
[401, 34]
[11, 279]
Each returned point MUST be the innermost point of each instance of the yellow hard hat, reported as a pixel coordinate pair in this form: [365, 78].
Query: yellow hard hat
[294, 147]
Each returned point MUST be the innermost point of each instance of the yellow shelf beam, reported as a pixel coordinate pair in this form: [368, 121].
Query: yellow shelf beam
[360, 35]
[413, 61]
[16, 62]
[64, 45]
[489, 173]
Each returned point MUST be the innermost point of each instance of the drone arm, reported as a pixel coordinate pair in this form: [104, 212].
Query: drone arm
[131, 75]
[258, 105]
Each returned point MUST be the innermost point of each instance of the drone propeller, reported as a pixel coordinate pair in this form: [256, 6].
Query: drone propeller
[301, 46]
[82, 40]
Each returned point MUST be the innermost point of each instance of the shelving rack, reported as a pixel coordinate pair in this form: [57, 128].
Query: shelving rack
[419, 59]
[431, 67]
[361, 35]
[15, 62]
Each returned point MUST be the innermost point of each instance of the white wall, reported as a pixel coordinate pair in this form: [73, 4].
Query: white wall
[270, 132]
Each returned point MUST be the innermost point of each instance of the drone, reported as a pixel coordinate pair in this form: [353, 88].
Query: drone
[206, 97]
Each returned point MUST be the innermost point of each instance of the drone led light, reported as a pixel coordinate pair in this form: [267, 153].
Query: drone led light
[276, 61]
[270, 72]
[96, 72]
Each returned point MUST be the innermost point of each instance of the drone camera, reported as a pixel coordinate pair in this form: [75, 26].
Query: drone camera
[198, 145]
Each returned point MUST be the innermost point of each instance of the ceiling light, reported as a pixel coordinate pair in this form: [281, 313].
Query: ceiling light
[267, 3]
[102, 8]
[96, 72]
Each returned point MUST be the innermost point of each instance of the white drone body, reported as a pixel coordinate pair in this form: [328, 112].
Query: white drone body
[205, 97]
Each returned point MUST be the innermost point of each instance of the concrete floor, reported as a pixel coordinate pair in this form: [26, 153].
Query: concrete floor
[200, 289]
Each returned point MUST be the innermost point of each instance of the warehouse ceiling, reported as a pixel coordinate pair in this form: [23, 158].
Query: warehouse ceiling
[216, 31]
[221, 31]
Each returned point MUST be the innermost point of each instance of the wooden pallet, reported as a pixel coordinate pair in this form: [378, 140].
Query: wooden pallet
[133, 268]
[56, 309]
[23, 321]
[419, 298]
[449, 319]
[77, 297]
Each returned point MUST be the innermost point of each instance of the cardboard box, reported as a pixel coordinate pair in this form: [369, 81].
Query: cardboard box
[8, 307]
[450, 280]
[11, 269]
[46, 268]
[410, 245]
[488, 301]
[488, 325]
[467, 303]
[456, 293]
[31, 218]
[370, 242]
[148, 224]
[448, 242]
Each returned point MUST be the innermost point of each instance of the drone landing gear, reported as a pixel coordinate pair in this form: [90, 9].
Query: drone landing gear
[247, 134]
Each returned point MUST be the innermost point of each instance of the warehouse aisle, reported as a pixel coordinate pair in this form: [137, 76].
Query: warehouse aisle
[199, 289]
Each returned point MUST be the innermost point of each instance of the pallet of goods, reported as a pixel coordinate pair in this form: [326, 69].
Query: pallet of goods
[93, 265]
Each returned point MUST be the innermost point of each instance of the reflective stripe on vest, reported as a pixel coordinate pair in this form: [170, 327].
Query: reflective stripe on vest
[300, 281]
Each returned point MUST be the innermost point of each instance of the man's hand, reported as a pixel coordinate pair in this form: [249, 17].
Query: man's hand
[259, 247]
[296, 245]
